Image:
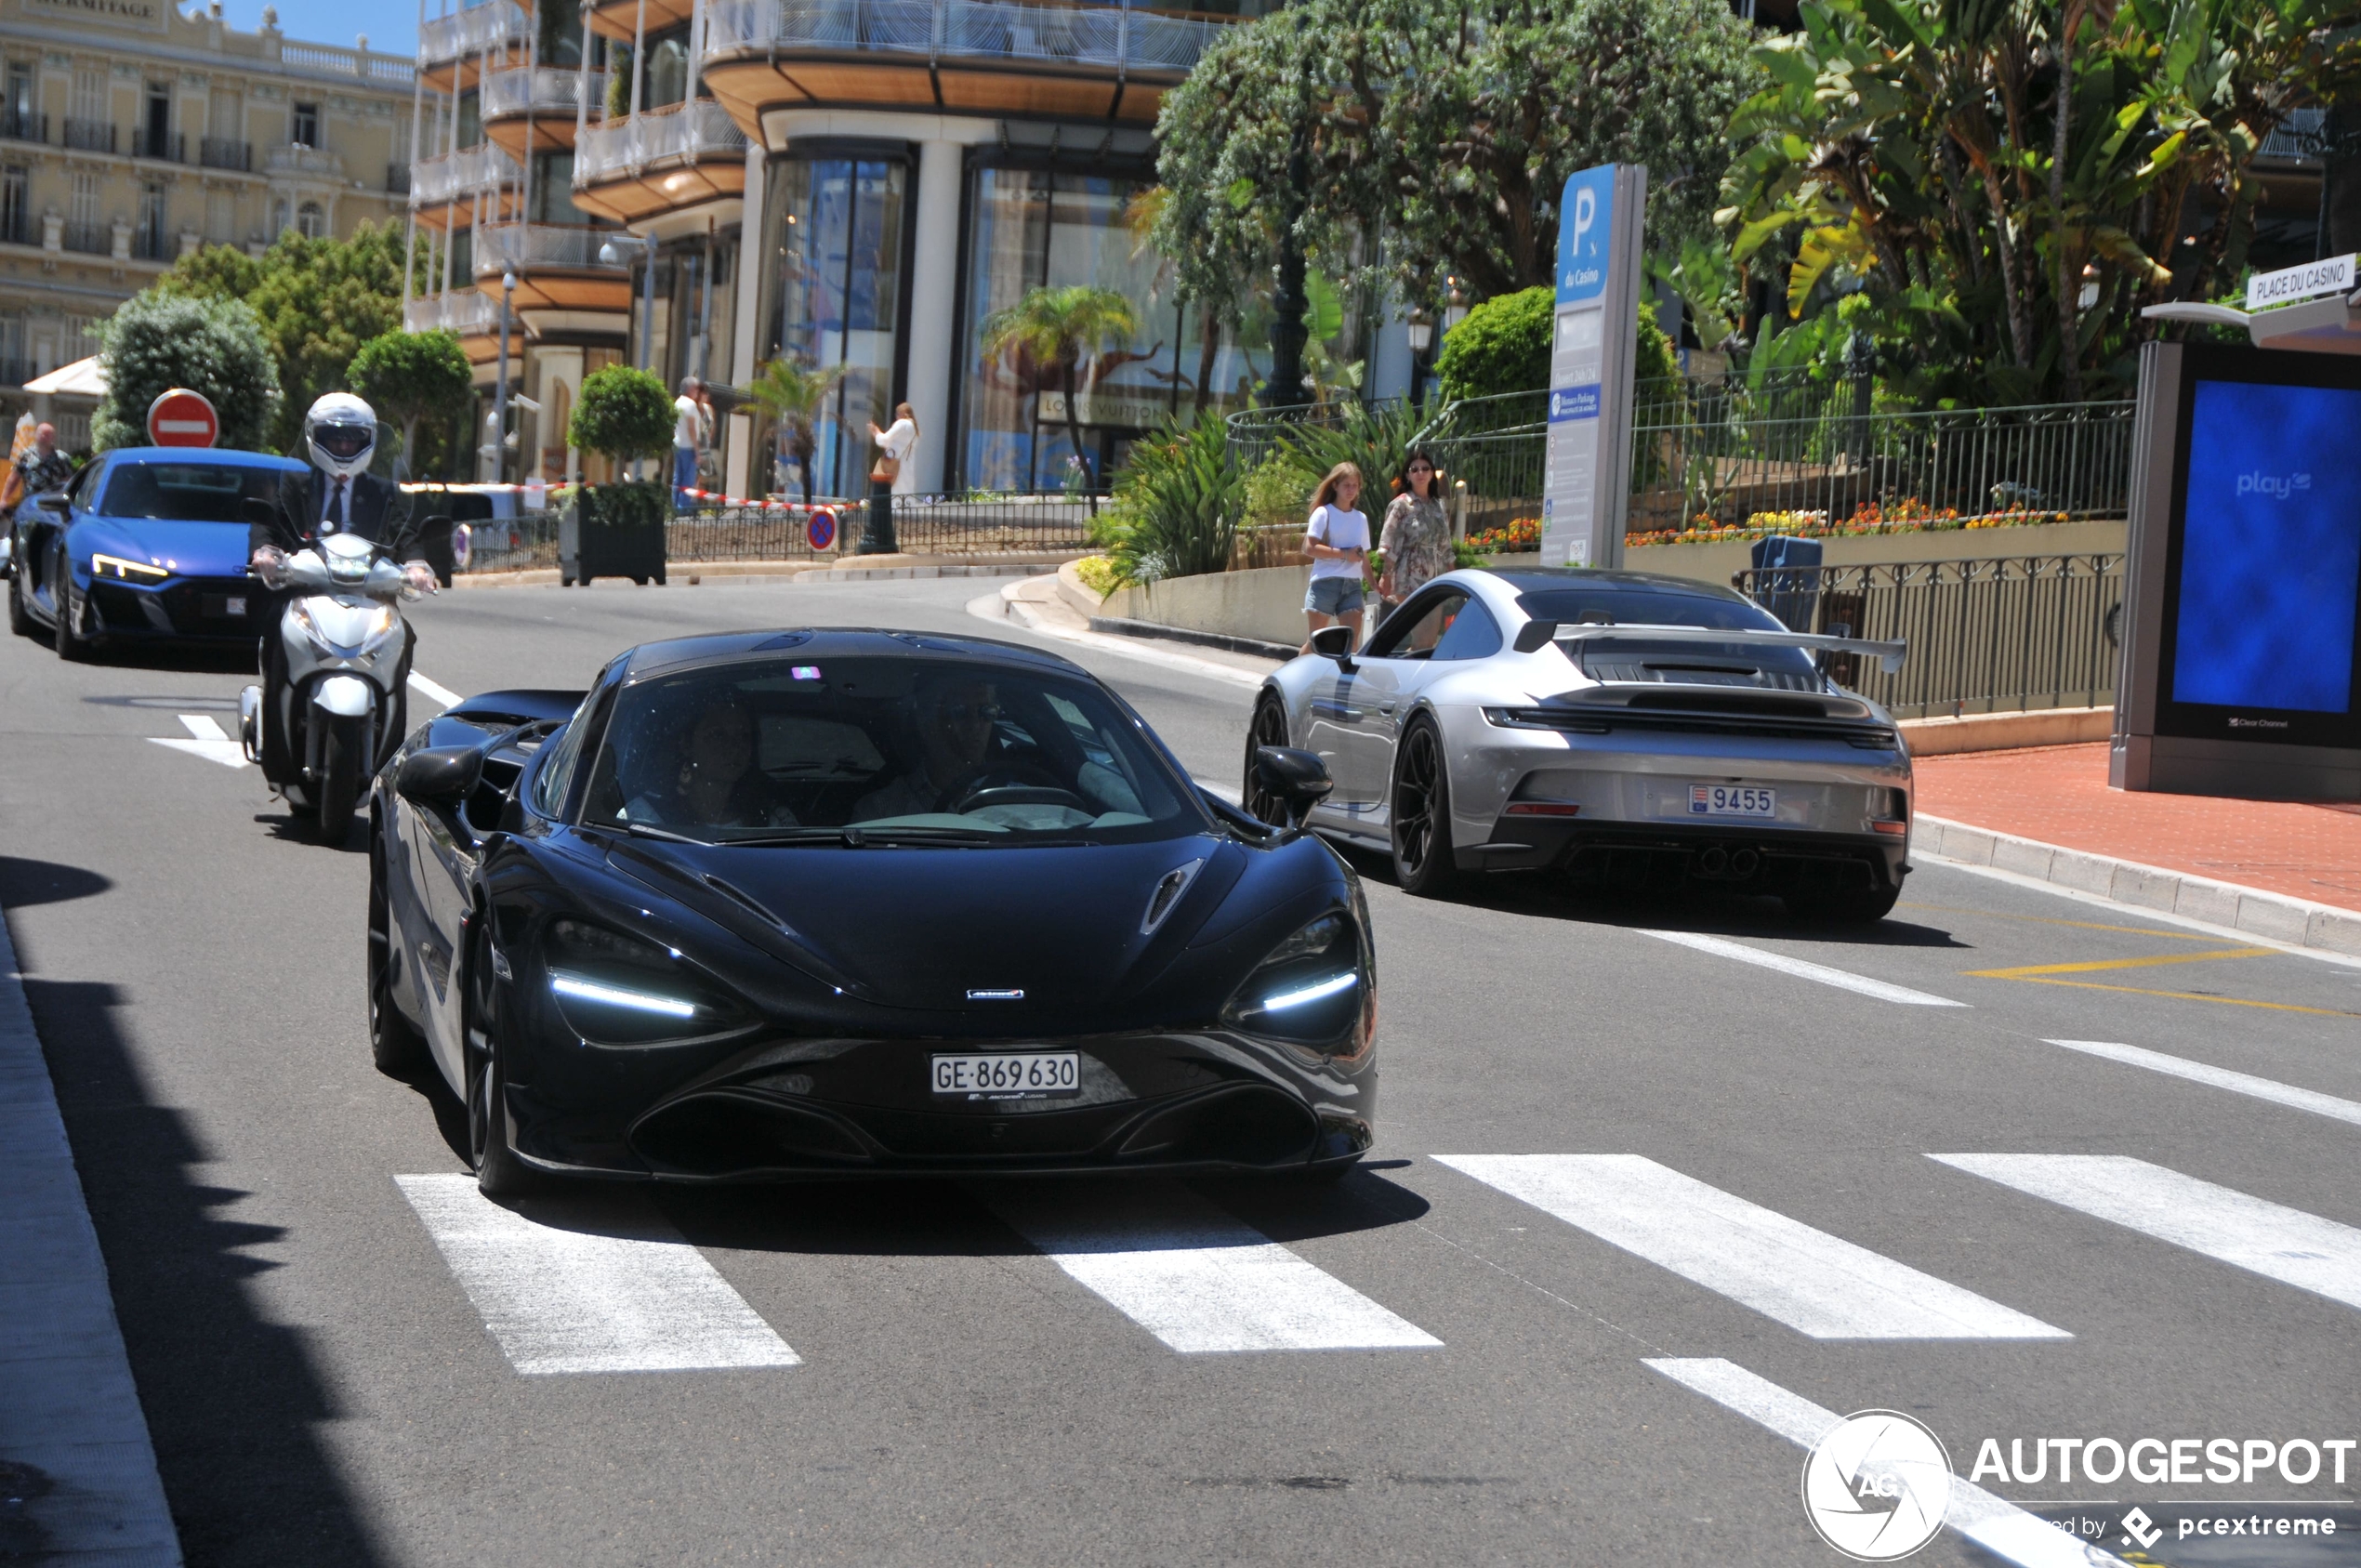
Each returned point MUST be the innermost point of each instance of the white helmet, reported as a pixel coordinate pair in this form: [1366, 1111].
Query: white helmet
[341, 430]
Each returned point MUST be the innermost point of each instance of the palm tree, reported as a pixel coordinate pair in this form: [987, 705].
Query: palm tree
[1062, 327]
[794, 393]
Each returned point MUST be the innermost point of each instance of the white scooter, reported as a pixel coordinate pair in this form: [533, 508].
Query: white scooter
[342, 709]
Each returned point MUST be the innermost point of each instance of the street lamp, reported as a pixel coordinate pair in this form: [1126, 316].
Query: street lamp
[612, 257]
[496, 449]
[1421, 339]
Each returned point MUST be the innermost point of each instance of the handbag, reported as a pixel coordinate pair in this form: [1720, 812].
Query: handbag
[886, 470]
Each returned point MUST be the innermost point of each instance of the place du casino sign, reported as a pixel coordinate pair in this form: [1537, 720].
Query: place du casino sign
[145, 13]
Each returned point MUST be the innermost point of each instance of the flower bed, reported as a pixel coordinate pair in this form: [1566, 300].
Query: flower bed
[1908, 516]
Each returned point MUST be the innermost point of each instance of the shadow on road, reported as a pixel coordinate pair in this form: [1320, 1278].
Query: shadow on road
[234, 1401]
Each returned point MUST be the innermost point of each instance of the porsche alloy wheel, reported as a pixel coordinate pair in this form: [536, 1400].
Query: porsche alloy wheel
[398, 1050]
[500, 1173]
[1269, 728]
[1421, 814]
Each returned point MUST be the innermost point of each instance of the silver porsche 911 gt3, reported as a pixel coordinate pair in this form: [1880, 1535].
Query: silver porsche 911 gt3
[1628, 729]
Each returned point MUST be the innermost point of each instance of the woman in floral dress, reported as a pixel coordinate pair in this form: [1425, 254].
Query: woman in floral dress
[1417, 540]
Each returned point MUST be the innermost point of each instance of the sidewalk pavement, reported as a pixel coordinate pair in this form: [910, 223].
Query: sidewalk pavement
[2287, 870]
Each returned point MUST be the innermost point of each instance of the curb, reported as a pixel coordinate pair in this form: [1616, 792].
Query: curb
[2008, 731]
[1123, 627]
[2298, 922]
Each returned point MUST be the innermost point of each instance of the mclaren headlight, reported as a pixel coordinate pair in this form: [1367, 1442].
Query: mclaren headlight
[1311, 989]
[617, 990]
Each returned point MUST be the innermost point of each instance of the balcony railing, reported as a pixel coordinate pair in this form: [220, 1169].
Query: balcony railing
[17, 126]
[89, 136]
[465, 312]
[220, 152]
[452, 176]
[689, 130]
[546, 91]
[1102, 35]
[488, 26]
[332, 59]
[292, 159]
[2302, 136]
[90, 239]
[16, 372]
[151, 245]
[169, 147]
[549, 245]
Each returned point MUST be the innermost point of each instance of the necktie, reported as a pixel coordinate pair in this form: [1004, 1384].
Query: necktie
[339, 515]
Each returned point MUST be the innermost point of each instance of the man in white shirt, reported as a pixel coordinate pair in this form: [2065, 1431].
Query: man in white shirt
[691, 432]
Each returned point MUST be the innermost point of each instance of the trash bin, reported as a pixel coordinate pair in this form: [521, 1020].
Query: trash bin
[1787, 580]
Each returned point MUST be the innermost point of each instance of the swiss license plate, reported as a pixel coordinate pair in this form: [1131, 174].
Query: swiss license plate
[1732, 800]
[1008, 1075]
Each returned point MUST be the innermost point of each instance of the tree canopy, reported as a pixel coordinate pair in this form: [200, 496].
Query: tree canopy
[1435, 140]
[1504, 346]
[623, 412]
[318, 302]
[2011, 181]
[216, 347]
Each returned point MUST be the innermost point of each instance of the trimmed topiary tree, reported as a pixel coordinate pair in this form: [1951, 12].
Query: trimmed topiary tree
[1504, 346]
[623, 412]
[408, 377]
[154, 343]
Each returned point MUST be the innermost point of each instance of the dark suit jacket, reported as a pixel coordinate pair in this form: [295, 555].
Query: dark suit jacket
[379, 511]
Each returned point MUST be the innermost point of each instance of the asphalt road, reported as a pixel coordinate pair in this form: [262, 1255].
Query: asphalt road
[323, 1388]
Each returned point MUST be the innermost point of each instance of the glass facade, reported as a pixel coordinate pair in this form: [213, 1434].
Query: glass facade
[833, 226]
[1037, 228]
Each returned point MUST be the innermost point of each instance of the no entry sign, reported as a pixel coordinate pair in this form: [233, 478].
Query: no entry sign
[181, 417]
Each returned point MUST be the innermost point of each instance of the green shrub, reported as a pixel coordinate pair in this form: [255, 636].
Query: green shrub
[1375, 440]
[623, 505]
[1504, 346]
[623, 412]
[1177, 502]
[156, 342]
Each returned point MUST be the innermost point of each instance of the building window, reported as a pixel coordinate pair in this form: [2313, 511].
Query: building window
[833, 297]
[221, 217]
[553, 190]
[82, 216]
[667, 80]
[15, 364]
[1033, 228]
[310, 222]
[82, 337]
[155, 133]
[16, 206]
[19, 111]
[303, 126]
[148, 243]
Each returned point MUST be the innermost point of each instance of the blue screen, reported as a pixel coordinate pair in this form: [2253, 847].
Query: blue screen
[2270, 550]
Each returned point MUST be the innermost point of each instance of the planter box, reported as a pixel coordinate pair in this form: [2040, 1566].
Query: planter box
[612, 531]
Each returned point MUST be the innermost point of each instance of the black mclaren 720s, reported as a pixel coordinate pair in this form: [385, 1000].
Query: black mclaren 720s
[786, 904]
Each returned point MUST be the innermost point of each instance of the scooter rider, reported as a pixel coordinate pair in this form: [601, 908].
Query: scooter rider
[339, 495]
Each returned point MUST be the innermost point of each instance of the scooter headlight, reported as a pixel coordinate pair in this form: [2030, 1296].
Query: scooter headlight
[383, 625]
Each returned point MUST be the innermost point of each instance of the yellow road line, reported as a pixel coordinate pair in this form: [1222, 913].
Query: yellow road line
[2030, 970]
[2188, 996]
[2078, 925]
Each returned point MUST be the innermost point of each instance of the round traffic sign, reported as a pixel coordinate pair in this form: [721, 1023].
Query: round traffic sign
[181, 417]
[820, 528]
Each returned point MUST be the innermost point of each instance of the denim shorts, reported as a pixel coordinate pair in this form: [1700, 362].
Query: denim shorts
[1333, 596]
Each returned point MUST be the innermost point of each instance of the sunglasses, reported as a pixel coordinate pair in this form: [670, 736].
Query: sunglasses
[971, 713]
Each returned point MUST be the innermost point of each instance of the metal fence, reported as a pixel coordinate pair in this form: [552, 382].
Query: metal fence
[1720, 466]
[2004, 635]
[923, 525]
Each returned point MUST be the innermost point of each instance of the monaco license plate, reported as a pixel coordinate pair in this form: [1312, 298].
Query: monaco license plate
[1732, 800]
[218, 606]
[1008, 1075]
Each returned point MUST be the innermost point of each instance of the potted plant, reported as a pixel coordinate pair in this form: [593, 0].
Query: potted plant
[617, 530]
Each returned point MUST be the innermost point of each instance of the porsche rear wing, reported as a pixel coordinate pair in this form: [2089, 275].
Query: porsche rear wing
[1534, 635]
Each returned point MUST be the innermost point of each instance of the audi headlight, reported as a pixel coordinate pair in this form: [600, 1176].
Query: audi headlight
[1310, 989]
[123, 567]
[616, 990]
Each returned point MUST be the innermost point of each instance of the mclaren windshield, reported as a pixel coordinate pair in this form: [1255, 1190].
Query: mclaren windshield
[882, 750]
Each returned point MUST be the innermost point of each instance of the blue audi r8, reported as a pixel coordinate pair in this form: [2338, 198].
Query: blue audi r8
[147, 544]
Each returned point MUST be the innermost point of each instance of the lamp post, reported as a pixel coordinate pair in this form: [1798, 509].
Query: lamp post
[612, 257]
[1421, 339]
[496, 449]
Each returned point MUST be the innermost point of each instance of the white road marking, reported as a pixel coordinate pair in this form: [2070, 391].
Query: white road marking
[1843, 980]
[206, 740]
[1999, 1527]
[2222, 1078]
[2247, 1232]
[1196, 1278]
[433, 693]
[558, 1299]
[1816, 1283]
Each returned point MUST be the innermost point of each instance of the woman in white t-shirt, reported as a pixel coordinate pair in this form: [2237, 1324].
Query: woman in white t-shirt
[1337, 540]
[895, 443]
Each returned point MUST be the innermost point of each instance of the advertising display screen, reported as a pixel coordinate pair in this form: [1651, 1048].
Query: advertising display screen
[2264, 593]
